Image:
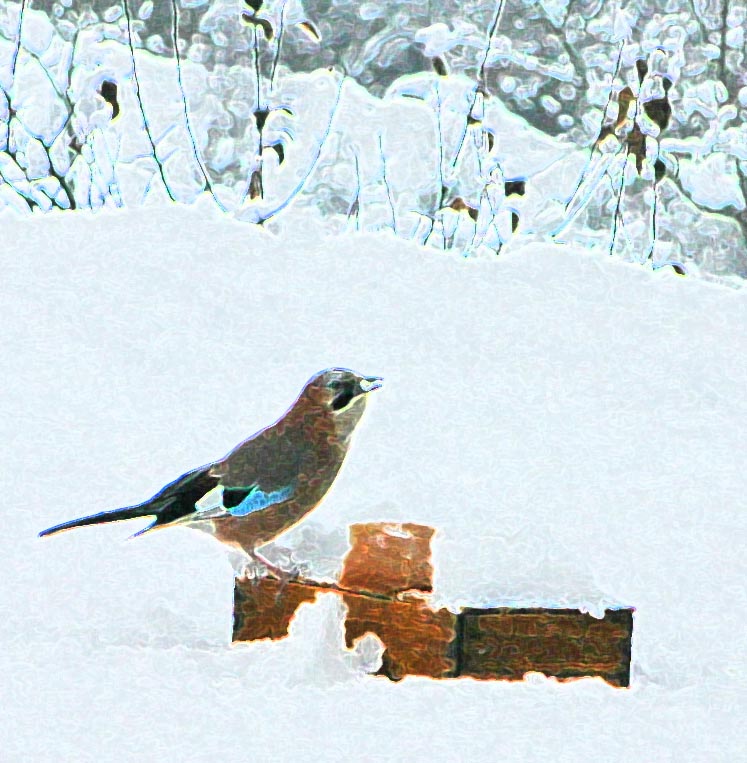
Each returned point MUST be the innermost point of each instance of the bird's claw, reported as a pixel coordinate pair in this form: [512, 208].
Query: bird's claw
[253, 571]
[285, 577]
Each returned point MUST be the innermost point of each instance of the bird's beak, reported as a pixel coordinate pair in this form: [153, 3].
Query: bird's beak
[370, 383]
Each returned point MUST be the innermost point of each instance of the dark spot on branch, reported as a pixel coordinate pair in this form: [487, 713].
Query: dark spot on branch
[260, 117]
[460, 205]
[279, 150]
[258, 21]
[637, 147]
[255, 184]
[605, 132]
[515, 187]
[624, 99]
[660, 170]
[658, 111]
[439, 66]
[108, 92]
[311, 30]
[642, 69]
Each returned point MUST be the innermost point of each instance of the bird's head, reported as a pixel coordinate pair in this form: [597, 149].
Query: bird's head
[341, 393]
[339, 389]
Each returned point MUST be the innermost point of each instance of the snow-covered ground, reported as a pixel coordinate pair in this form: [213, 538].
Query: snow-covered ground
[571, 424]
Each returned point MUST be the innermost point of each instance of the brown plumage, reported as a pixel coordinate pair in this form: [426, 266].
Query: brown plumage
[269, 482]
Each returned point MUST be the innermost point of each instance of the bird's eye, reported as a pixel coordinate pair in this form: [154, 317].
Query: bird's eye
[335, 384]
[342, 399]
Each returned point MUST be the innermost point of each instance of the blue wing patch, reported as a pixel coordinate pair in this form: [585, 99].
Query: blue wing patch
[256, 500]
[240, 501]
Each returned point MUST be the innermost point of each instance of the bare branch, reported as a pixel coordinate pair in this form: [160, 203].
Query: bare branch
[175, 36]
[136, 82]
[386, 185]
[568, 218]
[480, 85]
[320, 147]
[441, 198]
[279, 42]
[355, 206]
[17, 47]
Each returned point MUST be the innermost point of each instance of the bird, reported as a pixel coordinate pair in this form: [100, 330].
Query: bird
[268, 482]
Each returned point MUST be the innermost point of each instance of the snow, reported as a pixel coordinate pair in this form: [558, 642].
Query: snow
[571, 424]
[344, 146]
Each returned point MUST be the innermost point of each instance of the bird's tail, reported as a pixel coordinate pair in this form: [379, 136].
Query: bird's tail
[149, 509]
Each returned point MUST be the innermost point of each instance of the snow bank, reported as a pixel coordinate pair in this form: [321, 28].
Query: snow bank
[572, 426]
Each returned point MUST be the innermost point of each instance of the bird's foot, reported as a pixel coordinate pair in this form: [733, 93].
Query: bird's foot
[282, 575]
[285, 577]
[251, 570]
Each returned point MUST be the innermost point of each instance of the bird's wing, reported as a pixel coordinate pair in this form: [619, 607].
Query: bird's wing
[271, 460]
[258, 473]
[237, 501]
[203, 494]
[178, 499]
[194, 482]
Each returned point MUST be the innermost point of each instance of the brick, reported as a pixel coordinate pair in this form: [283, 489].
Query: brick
[419, 641]
[388, 559]
[385, 576]
[261, 610]
[507, 643]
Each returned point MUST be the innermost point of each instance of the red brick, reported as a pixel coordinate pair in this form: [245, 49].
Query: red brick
[388, 558]
[261, 611]
[418, 640]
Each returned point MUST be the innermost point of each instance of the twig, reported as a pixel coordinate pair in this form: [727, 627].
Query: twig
[256, 69]
[484, 193]
[741, 215]
[13, 114]
[619, 202]
[568, 8]
[312, 167]
[386, 185]
[175, 35]
[355, 206]
[594, 146]
[441, 198]
[29, 201]
[136, 82]
[17, 47]
[276, 58]
[480, 81]
[650, 254]
[722, 46]
[334, 587]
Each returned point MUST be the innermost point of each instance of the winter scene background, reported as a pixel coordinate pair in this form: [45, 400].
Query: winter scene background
[459, 125]
[528, 217]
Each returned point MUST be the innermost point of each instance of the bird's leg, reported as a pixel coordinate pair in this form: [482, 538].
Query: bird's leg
[277, 572]
[283, 576]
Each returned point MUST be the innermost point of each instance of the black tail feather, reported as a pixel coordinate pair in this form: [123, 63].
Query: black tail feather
[116, 515]
[170, 504]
